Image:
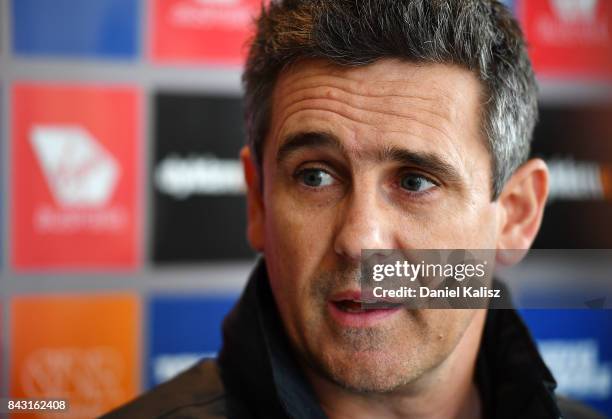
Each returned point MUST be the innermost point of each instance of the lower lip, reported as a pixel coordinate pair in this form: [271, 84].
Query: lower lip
[367, 318]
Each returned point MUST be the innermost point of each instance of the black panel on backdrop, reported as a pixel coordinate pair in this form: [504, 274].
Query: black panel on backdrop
[199, 204]
[578, 137]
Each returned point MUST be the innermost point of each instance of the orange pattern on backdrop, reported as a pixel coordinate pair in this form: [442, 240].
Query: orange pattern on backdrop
[83, 348]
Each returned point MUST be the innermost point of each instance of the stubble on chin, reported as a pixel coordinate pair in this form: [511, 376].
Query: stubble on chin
[363, 360]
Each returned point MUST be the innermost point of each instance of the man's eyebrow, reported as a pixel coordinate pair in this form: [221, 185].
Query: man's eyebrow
[429, 162]
[311, 139]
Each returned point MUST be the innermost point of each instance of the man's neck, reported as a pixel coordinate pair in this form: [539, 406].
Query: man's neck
[446, 392]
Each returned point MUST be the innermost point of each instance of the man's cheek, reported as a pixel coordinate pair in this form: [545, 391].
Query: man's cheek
[286, 235]
[297, 226]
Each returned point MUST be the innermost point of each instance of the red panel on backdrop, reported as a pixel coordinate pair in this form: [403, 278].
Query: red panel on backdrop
[75, 185]
[569, 38]
[197, 31]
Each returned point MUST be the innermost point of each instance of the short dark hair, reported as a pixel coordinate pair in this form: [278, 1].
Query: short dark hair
[479, 35]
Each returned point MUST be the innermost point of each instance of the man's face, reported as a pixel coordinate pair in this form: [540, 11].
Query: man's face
[390, 155]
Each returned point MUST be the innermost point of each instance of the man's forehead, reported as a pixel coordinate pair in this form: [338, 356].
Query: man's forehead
[388, 76]
[436, 100]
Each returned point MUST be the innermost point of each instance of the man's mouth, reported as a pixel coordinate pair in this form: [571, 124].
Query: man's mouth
[350, 306]
[362, 306]
[350, 309]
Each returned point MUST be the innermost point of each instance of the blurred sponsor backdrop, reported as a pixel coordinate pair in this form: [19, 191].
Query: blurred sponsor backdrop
[122, 232]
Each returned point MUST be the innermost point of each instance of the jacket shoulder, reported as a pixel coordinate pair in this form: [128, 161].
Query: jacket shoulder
[571, 409]
[195, 393]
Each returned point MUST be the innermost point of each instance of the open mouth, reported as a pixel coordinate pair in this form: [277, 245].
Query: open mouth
[350, 309]
[354, 306]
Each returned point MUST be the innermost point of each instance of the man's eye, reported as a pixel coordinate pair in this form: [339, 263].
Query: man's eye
[315, 178]
[416, 183]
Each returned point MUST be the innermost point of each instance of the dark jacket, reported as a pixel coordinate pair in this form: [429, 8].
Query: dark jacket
[256, 375]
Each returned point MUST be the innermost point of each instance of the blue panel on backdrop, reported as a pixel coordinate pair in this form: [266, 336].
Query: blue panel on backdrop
[183, 330]
[577, 346]
[107, 28]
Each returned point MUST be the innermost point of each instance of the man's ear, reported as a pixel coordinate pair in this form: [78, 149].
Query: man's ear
[255, 209]
[522, 203]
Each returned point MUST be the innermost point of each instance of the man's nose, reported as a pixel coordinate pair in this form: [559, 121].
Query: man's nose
[363, 223]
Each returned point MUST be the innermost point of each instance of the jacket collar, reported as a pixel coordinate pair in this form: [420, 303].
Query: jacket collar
[259, 369]
[256, 360]
[511, 376]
